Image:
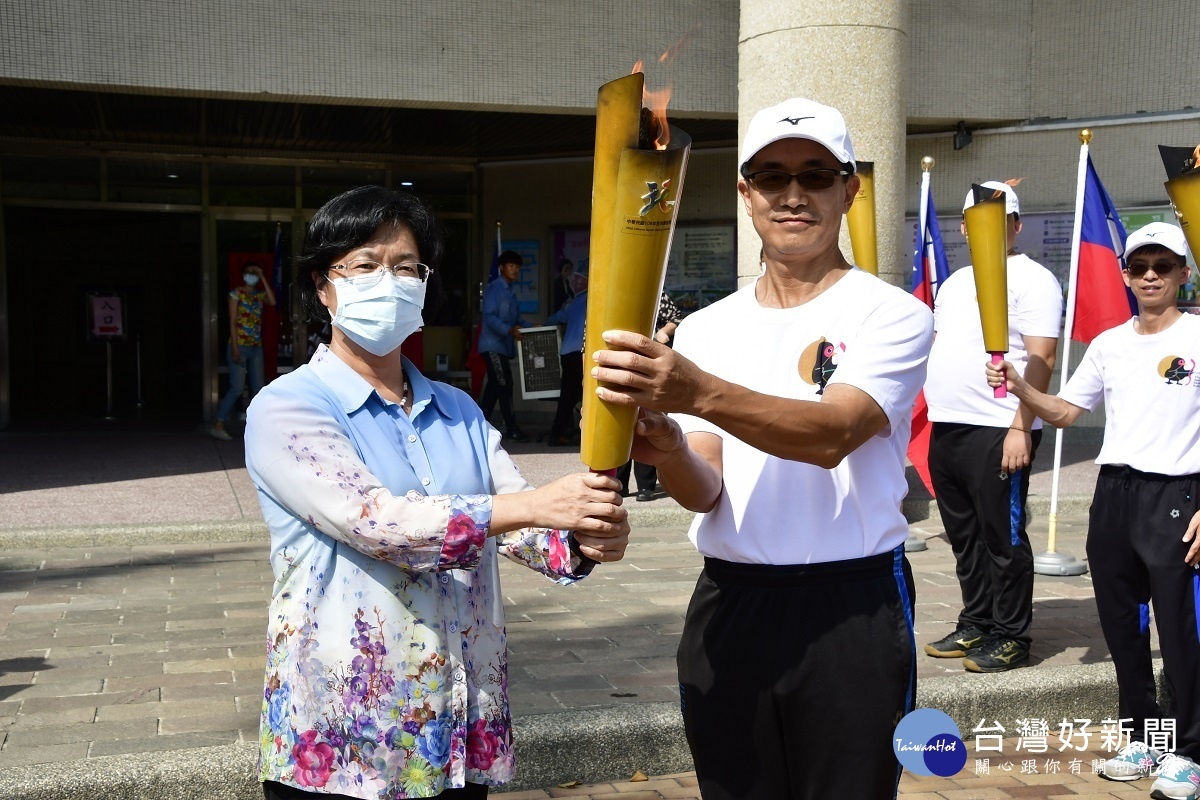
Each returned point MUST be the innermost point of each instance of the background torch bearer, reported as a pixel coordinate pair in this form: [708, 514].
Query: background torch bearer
[1183, 187]
[987, 236]
[861, 220]
[636, 183]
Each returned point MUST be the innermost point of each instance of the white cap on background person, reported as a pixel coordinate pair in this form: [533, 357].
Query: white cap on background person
[1163, 234]
[798, 118]
[1011, 204]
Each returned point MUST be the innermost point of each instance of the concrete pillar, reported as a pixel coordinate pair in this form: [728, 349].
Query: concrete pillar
[852, 55]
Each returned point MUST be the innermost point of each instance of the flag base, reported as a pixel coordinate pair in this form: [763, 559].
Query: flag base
[914, 544]
[1059, 564]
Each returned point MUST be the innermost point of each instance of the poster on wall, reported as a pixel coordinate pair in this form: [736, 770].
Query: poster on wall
[526, 284]
[701, 267]
[106, 315]
[1044, 237]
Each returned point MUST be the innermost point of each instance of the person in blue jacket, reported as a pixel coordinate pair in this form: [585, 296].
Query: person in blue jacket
[501, 331]
[565, 430]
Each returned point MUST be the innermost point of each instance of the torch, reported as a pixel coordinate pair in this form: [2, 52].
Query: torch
[861, 219]
[987, 236]
[1183, 187]
[636, 183]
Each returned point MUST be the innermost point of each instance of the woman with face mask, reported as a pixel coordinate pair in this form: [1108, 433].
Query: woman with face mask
[244, 354]
[390, 501]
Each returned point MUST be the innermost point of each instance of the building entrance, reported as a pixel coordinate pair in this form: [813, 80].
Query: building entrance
[57, 259]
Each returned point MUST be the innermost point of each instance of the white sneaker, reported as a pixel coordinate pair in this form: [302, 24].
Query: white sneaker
[220, 433]
[1133, 761]
[1178, 779]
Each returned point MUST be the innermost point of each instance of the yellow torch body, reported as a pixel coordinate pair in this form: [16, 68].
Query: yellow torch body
[861, 220]
[987, 236]
[634, 206]
[1184, 192]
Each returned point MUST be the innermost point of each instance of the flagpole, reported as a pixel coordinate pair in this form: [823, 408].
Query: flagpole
[914, 543]
[1053, 562]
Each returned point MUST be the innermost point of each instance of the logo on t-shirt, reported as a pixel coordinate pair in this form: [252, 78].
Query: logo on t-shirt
[818, 361]
[1177, 370]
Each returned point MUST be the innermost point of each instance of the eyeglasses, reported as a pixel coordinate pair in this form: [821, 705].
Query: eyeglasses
[770, 181]
[370, 272]
[1162, 270]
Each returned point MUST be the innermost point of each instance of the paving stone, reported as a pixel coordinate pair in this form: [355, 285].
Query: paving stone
[158, 744]
[63, 734]
[167, 710]
[39, 705]
[192, 666]
[42, 754]
[62, 716]
[200, 723]
[64, 689]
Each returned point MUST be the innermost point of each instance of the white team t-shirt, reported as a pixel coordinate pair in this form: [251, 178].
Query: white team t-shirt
[861, 331]
[1151, 392]
[957, 389]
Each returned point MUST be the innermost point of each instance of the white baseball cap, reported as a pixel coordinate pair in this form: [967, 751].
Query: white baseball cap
[798, 118]
[1163, 234]
[1011, 204]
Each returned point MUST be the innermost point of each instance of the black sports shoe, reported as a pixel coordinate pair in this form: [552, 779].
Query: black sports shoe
[644, 495]
[998, 655]
[956, 644]
[517, 435]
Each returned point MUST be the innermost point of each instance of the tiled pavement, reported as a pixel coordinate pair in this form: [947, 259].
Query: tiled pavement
[150, 648]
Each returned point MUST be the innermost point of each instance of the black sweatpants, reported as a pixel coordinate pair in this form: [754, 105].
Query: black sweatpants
[499, 386]
[1135, 551]
[647, 475]
[984, 515]
[792, 678]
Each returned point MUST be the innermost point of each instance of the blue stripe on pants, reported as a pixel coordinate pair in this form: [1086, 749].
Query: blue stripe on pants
[1014, 507]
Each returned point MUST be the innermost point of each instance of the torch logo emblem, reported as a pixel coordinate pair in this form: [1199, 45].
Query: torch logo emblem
[656, 195]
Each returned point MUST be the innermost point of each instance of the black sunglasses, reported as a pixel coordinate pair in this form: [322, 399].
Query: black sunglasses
[1138, 270]
[771, 181]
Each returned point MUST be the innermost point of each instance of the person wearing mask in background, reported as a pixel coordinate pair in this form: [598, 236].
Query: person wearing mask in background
[502, 325]
[244, 353]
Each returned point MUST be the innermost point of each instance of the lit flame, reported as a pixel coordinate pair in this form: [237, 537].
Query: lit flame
[657, 100]
[1013, 182]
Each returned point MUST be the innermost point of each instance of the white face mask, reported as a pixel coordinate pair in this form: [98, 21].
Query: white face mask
[378, 313]
[251, 279]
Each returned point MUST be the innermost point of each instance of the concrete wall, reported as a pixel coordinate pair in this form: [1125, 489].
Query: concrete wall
[496, 55]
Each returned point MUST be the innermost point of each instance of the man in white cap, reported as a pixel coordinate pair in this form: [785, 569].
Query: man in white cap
[981, 452]
[791, 404]
[1142, 541]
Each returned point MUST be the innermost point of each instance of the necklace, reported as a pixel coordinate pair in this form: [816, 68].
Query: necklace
[404, 391]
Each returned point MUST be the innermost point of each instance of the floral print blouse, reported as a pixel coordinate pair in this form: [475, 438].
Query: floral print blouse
[386, 671]
[249, 315]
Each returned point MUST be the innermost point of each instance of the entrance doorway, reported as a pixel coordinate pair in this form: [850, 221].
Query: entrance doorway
[55, 259]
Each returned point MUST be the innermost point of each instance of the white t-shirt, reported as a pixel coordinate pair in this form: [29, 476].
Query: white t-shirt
[1151, 391]
[861, 331]
[957, 389]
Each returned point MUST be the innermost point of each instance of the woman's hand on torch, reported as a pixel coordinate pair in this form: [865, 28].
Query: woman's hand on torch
[648, 374]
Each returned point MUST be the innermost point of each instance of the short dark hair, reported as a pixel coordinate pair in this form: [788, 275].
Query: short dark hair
[349, 221]
[1157, 249]
[510, 257]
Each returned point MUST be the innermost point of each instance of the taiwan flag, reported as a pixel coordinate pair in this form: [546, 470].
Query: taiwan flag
[930, 270]
[1102, 300]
